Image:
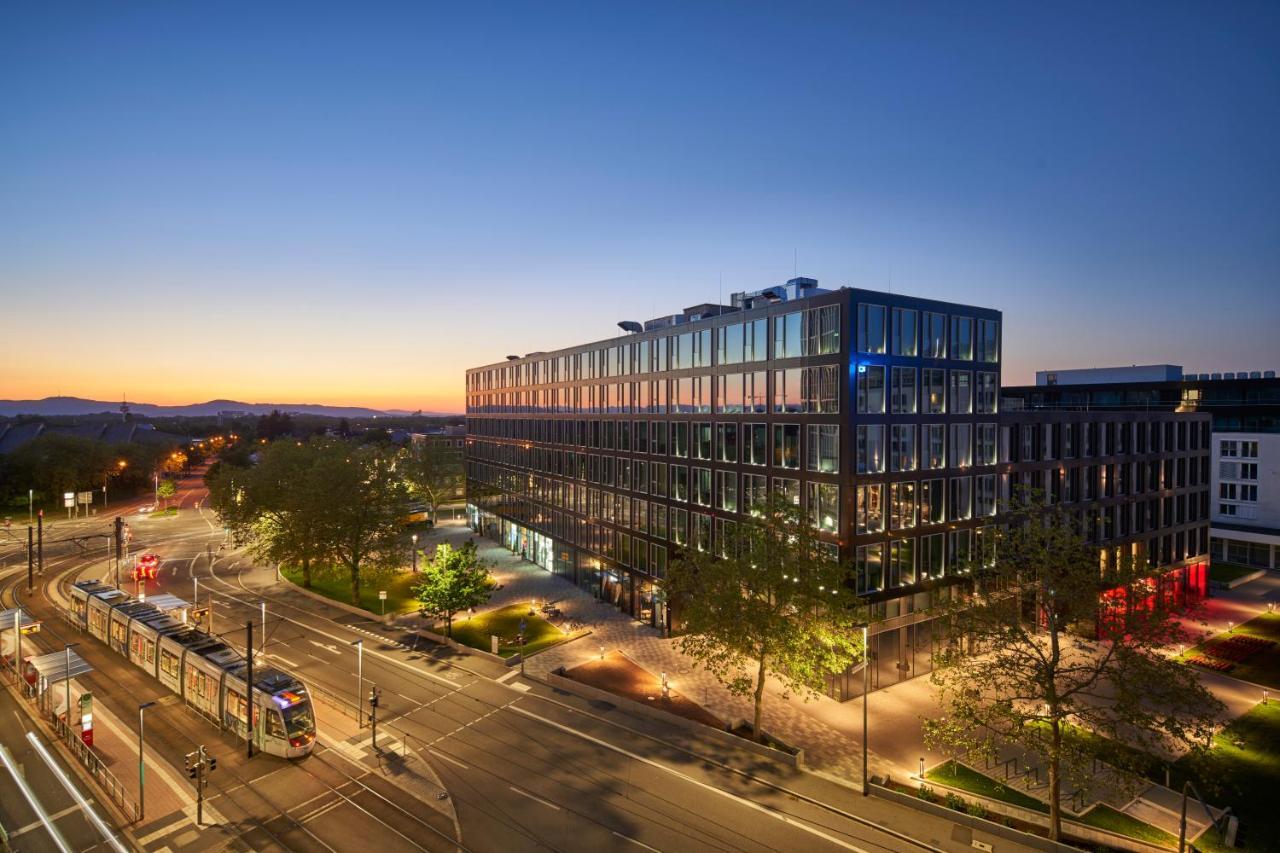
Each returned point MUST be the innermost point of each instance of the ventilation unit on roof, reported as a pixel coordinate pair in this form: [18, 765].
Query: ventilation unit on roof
[630, 326]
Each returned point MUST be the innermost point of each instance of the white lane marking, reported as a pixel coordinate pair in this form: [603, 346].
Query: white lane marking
[444, 757]
[328, 647]
[503, 679]
[690, 779]
[284, 660]
[636, 842]
[35, 824]
[32, 801]
[97, 822]
[536, 799]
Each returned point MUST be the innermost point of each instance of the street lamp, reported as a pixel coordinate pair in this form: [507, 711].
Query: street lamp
[142, 800]
[866, 690]
[414, 537]
[359, 644]
[262, 646]
[66, 680]
[31, 502]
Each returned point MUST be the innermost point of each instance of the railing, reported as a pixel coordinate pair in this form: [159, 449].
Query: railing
[349, 709]
[89, 759]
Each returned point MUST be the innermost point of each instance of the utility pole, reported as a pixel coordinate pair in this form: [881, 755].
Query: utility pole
[866, 698]
[40, 542]
[119, 546]
[374, 696]
[31, 557]
[248, 685]
[199, 765]
[359, 644]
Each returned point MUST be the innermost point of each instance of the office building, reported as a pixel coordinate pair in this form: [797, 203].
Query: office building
[877, 413]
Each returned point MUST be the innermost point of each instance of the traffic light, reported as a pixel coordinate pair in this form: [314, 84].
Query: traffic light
[213, 763]
[193, 764]
[373, 697]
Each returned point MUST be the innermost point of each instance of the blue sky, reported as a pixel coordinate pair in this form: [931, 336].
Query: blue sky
[353, 204]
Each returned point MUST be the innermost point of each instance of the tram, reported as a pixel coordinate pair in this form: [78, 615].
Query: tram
[207, 673]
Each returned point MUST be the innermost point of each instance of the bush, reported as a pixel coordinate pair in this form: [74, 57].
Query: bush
[926, 793]
[977, 810]
[955, 801]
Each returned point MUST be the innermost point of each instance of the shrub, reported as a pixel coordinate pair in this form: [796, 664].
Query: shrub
[926, 793]
[955, 801]
[977, 810]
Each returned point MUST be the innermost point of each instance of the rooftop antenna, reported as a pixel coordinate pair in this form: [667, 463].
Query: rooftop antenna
[720, 290]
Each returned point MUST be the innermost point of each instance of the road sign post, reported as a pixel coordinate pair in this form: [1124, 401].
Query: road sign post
[382, 597]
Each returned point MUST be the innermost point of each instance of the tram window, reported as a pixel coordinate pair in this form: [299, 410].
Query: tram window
[275, 726]
[169, 663]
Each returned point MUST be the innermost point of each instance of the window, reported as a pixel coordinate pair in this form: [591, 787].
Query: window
[702, 440]
[786, 445]
[985, 500]
[727, 442]
[932, 502]
[961, 542]
[870, 568]
[755, 444]
[869, 509]
[961, 445]
[934, 328]
[934, 381]
[988, 341]
[902, 391]
[988, 391]
[824, 506]
[755, 491]
[931, 556]
[961, 497]
[657, 479]
[679, 526]
[822, 330]
[679, 483]
[820, 389]
[935, 445]
[756, 340]
[680, 439]
[962, 338]
[870, 448]
[787, 488]
[871, 328]
[823, 441]
[961, 402]
[727, 490]
[904, 332]
[658, 438]
[787, 396]
[729, 344]
[701, 531]
[902, 562]
[786, 335]
[902, 505]
[870, 389]
[702, 486]
[986, 445]
[702, 348]
[902, 447]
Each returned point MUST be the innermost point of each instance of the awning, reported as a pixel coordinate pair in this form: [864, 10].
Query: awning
[53, 666]
[24, 619]
[164, 602]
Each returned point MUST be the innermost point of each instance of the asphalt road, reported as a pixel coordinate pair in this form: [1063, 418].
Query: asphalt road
[525, 769]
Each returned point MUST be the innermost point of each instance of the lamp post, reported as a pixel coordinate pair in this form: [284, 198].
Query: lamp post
[157, 501]
[414, 537]
[142, 800]
[359, 644]
[66, 680]
[866, 691]
[262, 644]
[31, 503]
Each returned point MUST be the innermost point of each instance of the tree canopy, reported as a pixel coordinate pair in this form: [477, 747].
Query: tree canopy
[433, 471]
[775, 601]
[453, 580]
[1039, 656]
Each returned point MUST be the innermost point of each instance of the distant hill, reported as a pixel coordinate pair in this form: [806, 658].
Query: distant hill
[81, 406]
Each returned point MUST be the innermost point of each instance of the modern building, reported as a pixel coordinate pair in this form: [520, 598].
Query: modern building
[1245, 466]
[878, 413]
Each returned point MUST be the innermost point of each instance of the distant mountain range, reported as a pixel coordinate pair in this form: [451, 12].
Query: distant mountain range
[81, 406]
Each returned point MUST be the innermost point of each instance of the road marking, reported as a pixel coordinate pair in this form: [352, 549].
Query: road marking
[284, 660]
[444, 757]
[35, 824]
[503, 679]
[658, 765]
[524, 793]
[328, 647]
[637, 843]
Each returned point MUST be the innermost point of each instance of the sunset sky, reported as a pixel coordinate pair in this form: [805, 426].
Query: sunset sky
[351, 205]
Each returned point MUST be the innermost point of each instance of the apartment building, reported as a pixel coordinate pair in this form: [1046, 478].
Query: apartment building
[877, 413]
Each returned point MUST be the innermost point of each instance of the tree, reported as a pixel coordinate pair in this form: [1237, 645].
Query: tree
[275, 507]
[165, 490]
[364, 501]
[275, 425]
[1039, 656]
[433, 471]
[774, 602]
[452, 581]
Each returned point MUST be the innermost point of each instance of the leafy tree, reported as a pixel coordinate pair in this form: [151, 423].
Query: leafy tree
[165, 490]
[453, 580]
[364, 500]
[1039, 657]
[775, 602]
[276, 507]
[275, 425]
[433, 472]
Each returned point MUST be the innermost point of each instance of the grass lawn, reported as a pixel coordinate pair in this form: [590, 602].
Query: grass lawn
[1227, 572]
[337, 586]
[965, 778]
[1244, 778]
[164, 513]
[1104, 817]
[505, 622]
[1263, 667]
